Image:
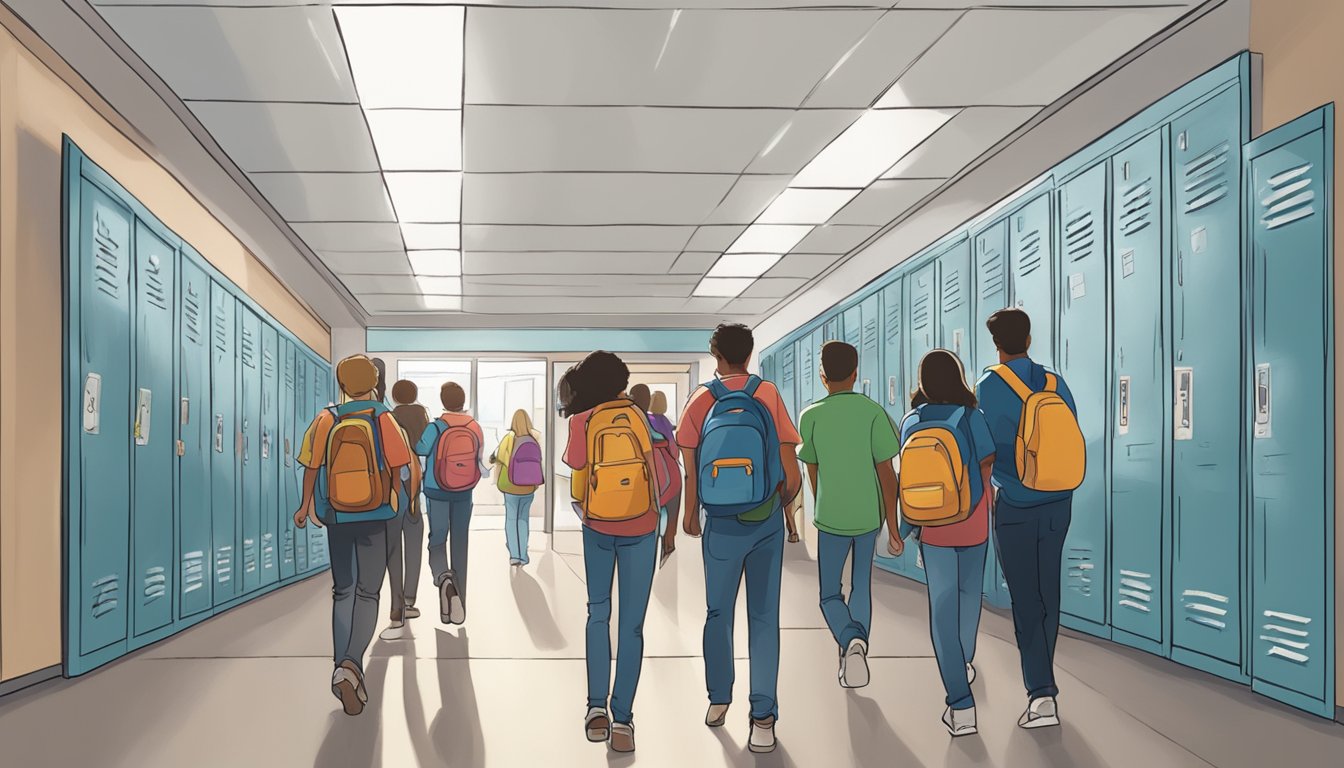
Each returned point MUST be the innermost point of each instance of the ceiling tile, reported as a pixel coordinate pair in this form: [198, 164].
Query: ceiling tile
[256, 54]
[646, 287]
[1019, 57]
[834, 238]
[326, 196]
[591, 198]
[576, 305]
[694, 263]
[799, 139]
[892, 45]
[749, 306]
[367, 262]
[884, 200]
[290, 137]
[348, 236]
[773, 287]
[487, 237]
[963, 139]
[532, 265]
[959, 4]
[716, 237]
[373, 283]
[748, 198]
[806, 265]
[393, 303]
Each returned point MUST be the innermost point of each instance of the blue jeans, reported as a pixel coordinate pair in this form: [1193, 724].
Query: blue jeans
[956, 576]
[517, 524]
[450, 515]
[1031, 545]
[358, 561]
[633, 557]
[848, 621]
[733, 549]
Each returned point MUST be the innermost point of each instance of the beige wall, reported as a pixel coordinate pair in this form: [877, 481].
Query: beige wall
[1303, 69]
[38, 104]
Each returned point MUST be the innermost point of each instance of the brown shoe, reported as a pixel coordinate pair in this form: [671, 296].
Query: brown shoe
[623, 737]
[347, 684]
[597, 725]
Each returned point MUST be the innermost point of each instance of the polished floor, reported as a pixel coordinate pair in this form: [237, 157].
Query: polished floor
[250, 688]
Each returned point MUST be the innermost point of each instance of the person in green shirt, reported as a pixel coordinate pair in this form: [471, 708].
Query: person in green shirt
[848, 444]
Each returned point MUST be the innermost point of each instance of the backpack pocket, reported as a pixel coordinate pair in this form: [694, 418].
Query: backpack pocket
[735, 476]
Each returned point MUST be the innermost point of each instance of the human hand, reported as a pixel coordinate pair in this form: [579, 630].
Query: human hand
[895, 545]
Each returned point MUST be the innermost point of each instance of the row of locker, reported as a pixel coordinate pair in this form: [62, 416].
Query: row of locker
[184, 403]
[1161, 273]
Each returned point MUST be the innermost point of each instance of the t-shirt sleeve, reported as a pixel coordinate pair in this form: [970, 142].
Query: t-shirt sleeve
[693, 418]
[427, 438]
[505, 449]
[984, 441]
[788, 434]
[576, 450]
[312, 451]
[397, 453]
[807, 453]
[885, 443]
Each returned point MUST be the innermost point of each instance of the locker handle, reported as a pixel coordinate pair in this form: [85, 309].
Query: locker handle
[868, 387]
[891, 390]
[1180, 267]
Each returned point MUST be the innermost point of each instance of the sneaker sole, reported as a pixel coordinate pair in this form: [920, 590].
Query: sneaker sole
[719, 722]
[1040, 722]
[349, 696]
[962, 732]
[856, 674]
[760, 750]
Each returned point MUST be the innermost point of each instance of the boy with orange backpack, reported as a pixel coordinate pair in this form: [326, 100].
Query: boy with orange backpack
[451, 445]
[353, 454]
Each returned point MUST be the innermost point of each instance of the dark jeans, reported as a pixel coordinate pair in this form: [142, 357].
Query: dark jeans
[629, 561]
[358, 562]
[405, 537]
[450, 516]
[1031, 545]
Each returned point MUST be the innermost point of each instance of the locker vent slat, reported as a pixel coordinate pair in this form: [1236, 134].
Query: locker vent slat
[107, 257]
[155, 584]
[156, 293]
[991, 271]
[1029, 259]
[105, 595]
[921, 312]
[1080, 235]
[1135, 591]
[1207, 609]
[221, 330]
[870, 334]
[1289, 198]
[249, 555]
[1136, 208]
[1287, 636]
[193, 571]
[248, 347]
[952, 294]
[287, 547]
[191, 315]
[224, 563]
[893, 319]
[267, 552]
[1206, 178]
[1080, 568]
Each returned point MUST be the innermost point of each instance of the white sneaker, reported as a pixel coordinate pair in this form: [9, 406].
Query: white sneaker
[970, 673]
[395, 631]
[451, 610]
[960, 722]
[1041, 713]
[716, 714]
[762, 735]
[854, 665]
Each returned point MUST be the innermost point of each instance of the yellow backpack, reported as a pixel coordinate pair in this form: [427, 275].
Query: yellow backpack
[1051, 453]
[619, 482]
[935, 479]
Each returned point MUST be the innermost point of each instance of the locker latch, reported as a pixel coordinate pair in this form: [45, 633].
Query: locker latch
[868, 387]
[219, 433]
[1184, 418]
[1263, 400]
[1123, 427]
[181, 448]
[891, 390]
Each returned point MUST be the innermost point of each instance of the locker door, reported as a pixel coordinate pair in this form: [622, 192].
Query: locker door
[954, 315]
[268, 454]
[193, 448]
[1206, 315]
[852, 325]
[1082, 329]
[289, 488]
[1292, 446]
[154, 416]
[788, 379]
[807, 361]
[922, 302]
[302, 411]
[832, 331]
[224, 442]
[321, 395]
[768, 368]
[893, 350]
[870, 348]
[99, 538]
[249, 420]
[991, 294]
[1031, 288]
[1139, 472]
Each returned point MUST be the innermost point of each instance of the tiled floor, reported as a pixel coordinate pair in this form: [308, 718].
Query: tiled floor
[250, 688]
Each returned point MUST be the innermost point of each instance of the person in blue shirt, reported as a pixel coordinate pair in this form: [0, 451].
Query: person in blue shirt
[1029, 526]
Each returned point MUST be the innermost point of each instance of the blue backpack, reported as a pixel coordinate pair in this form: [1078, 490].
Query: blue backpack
[738, 462]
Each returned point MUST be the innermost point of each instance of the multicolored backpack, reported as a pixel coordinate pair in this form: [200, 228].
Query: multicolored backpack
[358, 478]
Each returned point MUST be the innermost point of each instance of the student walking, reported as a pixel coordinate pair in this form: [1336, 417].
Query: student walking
[353, 454]
[451, 446]
[1039, 461]
[611, 449]
[946, 458]
[739, 449]
[848, 444]
[406, 532]
[669, 470]
[520, 472]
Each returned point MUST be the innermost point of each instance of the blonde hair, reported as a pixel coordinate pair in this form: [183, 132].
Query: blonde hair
[658, 406]
[522, 424]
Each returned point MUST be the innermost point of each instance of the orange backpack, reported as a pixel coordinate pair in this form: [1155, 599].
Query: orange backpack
[358, 478]
[620, 483]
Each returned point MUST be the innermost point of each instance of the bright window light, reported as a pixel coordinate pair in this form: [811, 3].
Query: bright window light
[431, 237]
[426, 197]
[723, 287]
[453, 303]
[436, 263]
[440, 286]
[806, 206]
[870, 146]
[743, 264]
[417, 140]
[406, 56]
[770, 238]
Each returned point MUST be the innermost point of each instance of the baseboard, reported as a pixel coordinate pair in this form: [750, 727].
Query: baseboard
[1339, 714]
[32, 678]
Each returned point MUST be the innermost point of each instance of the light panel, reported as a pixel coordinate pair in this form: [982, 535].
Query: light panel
[806, 206]
[871, 145]
[404, 56]
[440, 286]
[431, 237]
[417, 140]
[723, 287]
[426, 197]
[743, 265]
[450, 303]
[770, 238]
[436, 263]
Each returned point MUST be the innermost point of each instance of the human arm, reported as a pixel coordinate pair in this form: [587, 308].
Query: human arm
[427, 438]
[690, 495]
[886, 478]
[307, 509]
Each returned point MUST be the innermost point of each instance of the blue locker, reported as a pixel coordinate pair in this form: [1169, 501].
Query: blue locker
[1290, 203]
[299, 418]
[851, 324]
[893, 349]
[808, 360]
[153, 539]
[249, 429]
[833, 330]
[224, 443]
[268, 455]
[870, 348]
[922, 336]
[1083, 354]
[100, 501]
[1141, 371]
[1031, 288]
[322, 395]
[788, 378]
[990, 251]
[769, 370]
[1207, 482]
[193, 435]
[289, 487]
[954, 306]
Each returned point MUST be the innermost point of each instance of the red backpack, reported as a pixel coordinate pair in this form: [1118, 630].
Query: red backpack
[457, 452]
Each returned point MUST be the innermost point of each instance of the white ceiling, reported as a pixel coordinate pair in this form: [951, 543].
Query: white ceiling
[612, 153]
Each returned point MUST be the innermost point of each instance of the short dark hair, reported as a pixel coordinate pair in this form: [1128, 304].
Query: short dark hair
[381, 389]
[733, 342]
[405, 392]
[839, 360]
[453, 396]
[1010, 328]
[642, 396]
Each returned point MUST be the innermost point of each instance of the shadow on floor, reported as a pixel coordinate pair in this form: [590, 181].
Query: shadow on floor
[456, 731]
[535, 610]
[356, 740]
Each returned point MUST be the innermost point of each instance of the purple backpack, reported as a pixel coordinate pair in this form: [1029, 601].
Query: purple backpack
[525, 463]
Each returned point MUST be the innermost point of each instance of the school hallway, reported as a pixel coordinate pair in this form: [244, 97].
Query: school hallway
[507, 689]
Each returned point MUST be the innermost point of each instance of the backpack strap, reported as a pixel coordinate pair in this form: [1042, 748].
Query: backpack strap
[1012, 380]
[752, 384]
[716, 388]
[1049, 382]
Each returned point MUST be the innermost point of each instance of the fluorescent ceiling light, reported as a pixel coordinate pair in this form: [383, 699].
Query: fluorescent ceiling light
[436, 263]
[806, 206]
[429, 237]
[723, 287]
[743, 265]
[426, 197]
[453, 303]
[405, 56]
[417, 140]
[770, 238]
[870, 146]
[439, 286]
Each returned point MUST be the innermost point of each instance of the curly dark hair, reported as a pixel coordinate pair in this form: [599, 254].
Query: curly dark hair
[599, 378]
